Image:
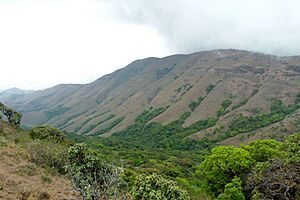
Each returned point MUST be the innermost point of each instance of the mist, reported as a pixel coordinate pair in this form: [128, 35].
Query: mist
[269, 26]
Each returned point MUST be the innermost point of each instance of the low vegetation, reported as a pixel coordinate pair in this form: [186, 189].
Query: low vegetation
[243, 124]
[224, 106]
[194, 104]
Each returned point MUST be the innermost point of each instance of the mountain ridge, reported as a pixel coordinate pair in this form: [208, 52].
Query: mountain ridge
[112, 102]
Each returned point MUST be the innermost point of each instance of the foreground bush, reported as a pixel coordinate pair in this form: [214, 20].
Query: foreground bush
[155, 187]
[222, 166]
[48, 154]
[93, 177]
[268, 170]
[273, 180]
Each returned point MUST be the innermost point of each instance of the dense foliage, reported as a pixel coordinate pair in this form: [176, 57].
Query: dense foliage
[155, 187]
[47, 132]
[233, 190]
[265, 168]
[224, 163]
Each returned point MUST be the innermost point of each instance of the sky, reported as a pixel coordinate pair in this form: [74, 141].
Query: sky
[48, 42]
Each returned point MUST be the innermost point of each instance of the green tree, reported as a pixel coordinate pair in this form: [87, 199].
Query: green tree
[263, 150]
[47, 132]
[155, 187]
[291, 147]
[222, 166]
[16, 118]
[233, 190]
[12, 116]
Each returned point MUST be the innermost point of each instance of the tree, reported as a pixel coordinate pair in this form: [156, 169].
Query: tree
[219, 168]
[47, 132]
[233, 190]
[155, 187]
[92, 176]
[291, 147]
[12, 116]
[263, 150]
[8, 113]
[16, 118]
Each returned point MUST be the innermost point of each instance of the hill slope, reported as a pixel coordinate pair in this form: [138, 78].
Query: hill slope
[12, 93]
[222, 84]
[22, 179]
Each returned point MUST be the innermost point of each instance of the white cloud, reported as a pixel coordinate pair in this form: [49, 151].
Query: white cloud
[43, 43]
[270, 26]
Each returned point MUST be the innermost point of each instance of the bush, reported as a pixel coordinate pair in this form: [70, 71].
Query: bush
[155, 187]
[291, 146]
[219, 168]
[263, 150]
[224, 106]
[47, 133]
[233, 190]
[209, 88]
[93, 177]
[48, 154]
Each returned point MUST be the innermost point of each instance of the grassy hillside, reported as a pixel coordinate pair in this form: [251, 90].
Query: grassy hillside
[221, 84]
[20, 177]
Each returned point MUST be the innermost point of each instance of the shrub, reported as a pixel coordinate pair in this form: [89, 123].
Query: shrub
[291, 147]
[91, 176]
[233, 190]
[47, 133]
[209, 88]
[155, 187]
[48, 154]
[222, 166]
[263, 150]
[224, 106]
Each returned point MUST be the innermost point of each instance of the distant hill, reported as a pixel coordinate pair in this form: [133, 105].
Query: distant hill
[220, 84]
[12, 93]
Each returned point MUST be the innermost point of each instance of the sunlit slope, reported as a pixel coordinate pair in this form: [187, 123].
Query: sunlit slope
[198, 83]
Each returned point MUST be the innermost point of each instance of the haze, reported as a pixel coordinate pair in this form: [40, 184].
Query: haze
[44, 43]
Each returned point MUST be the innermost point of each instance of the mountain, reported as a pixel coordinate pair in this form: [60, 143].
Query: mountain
[12, 93]
[229, 86]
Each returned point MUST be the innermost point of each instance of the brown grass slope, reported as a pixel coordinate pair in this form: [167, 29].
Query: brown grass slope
[24, 180]
[173, 81]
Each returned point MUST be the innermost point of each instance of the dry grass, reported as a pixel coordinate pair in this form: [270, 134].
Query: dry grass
[24, 180]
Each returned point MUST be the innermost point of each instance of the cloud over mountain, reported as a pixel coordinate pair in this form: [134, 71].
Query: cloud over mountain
[270, 26]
